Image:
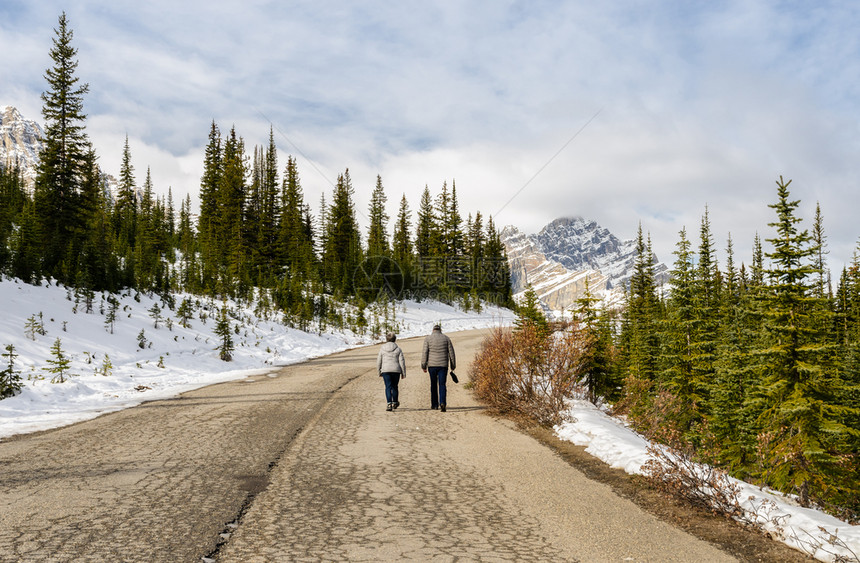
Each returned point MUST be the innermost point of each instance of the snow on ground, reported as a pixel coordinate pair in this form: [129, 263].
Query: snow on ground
[608, 439]
[188, 355]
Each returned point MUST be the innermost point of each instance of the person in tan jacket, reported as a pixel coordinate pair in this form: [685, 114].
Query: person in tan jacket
[391, 366]
[437, 355]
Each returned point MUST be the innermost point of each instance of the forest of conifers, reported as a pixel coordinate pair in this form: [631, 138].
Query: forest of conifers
[754, 369]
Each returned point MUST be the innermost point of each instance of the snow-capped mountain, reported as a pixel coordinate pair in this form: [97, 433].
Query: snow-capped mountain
[557, 261]
[21, 140]
[579, 243]
[556, 286]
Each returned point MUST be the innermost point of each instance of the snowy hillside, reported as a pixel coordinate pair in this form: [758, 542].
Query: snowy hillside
[172, 360]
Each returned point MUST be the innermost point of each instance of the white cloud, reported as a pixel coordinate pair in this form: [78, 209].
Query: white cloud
[702, 105]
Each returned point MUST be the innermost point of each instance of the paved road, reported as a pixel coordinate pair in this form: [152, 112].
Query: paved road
[306, 465]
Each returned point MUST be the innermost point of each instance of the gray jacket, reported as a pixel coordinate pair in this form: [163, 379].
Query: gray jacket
[438, 351]
[390, 359]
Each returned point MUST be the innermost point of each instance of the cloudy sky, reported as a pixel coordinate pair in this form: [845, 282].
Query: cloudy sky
[619, 111]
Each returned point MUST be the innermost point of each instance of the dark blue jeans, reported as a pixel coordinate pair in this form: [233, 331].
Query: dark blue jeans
[391, 380]
[438, 390]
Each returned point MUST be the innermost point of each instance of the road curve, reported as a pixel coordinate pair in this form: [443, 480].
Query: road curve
[305, 464]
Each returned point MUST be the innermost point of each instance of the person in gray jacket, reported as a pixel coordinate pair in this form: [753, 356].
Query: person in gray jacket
[391, 366]
[437, 355]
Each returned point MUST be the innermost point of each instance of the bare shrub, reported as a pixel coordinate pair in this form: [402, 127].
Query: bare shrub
[676, 473]
[530, 373]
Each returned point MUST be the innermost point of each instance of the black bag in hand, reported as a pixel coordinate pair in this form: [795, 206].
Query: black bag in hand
[454, 377]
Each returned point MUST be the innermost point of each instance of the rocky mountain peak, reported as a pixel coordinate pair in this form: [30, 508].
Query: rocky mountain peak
[557, 260]
[557, 287]
[21, 140]
[579, 244]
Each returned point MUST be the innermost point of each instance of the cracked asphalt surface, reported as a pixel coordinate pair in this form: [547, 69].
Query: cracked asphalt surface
[305, 464]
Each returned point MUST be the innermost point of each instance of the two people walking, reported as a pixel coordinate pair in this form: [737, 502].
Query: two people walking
[436, 356]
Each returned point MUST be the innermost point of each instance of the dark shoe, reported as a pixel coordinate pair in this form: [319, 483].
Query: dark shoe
[396, 404]
[390, 407]
[442, 407]
[435, 407]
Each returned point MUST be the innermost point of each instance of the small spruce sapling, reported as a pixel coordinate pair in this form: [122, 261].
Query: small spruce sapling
[155, 313]
[222, 329]
[184, 313]
[106, 368]
[141, 339]
[34, 326]
[60, 364]
[10, 378]
[110, 317]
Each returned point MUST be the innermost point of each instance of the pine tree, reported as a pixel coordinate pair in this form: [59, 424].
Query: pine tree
[641, 316]
[800, 414]
[495, 272]
[232, 248]
[184, 313]
[111, 314]
[401, 244]
[601, 379]
[209, 221]
[680, 329]
[155, 314]
[475, 248]
[295, 233]
[10, 378]
[223, 330]
[12, 202]
[126, 208]
[34, 325]
[819, 242]
[377, 237]
[106, 368]
[706, 303]
[60, 364]
[427, 235]
[732, 418]
[342, 251]
[63, 159]
[530, 315]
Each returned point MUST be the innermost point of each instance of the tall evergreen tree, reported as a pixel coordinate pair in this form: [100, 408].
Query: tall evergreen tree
[800, 414]
[63, 159]
[342, 252]
[642, 313]
[401, 241]
[680, 329]
[738, 371]
[377, 235]
[427, 234]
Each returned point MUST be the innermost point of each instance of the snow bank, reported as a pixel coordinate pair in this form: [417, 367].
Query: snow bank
[804, 529]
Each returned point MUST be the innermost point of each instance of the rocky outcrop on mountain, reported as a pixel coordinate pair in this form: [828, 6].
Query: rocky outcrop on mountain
[21, 140]
[557, 261]
[556, 286]
[579, 244]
